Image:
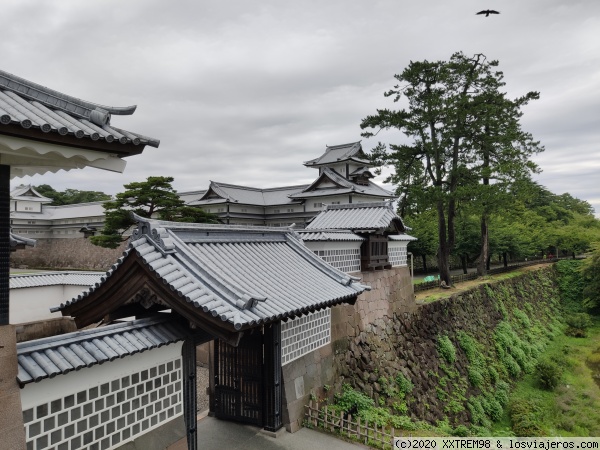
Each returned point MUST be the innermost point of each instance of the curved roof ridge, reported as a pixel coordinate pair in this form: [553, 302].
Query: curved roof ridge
[58, 100]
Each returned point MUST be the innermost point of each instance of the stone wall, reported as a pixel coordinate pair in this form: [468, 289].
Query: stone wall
[310, 375]
[75, 253]
[381, 345]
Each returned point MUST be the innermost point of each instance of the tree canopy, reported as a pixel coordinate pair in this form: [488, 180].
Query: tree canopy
[154, 197]
[464, 142]
[70, 196]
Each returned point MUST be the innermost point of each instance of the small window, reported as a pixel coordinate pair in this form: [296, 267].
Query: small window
[31, 222]
[244, 210]
[275, 211]
[290, 210]
[335, 203]
[221, 210]
[318, 205]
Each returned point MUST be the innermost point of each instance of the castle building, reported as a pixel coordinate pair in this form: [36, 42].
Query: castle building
[344, 177]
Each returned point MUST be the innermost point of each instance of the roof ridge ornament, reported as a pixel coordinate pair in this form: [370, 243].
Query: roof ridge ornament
[100, 117]
[153, 232]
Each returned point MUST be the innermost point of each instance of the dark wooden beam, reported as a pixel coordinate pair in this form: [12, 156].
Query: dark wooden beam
[87, 143]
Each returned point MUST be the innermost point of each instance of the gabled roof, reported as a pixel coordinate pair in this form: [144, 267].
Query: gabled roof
[57, 355]
[28, 280]
[28, 193]
[342, 186]
[366, 217]
[219, 277]
[29, 105]
[339, 153]
[247, 195]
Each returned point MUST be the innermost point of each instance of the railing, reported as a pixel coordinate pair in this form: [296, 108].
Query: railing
[473, 276]
[319, 416]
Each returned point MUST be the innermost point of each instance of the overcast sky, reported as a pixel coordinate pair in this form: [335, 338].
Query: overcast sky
[244, 91]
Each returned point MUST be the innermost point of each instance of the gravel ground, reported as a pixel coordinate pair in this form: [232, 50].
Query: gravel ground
[201, 386]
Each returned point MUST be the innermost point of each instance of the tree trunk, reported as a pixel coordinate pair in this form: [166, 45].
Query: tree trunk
[443, 255]
[484, 256]
[505, 259]
[463, 261]
[424, 263]
[487, 263]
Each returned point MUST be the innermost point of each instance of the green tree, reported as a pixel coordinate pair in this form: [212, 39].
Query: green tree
[150, 198]
[423, 227]
[591, 278]
[444, 159]
[70, 196]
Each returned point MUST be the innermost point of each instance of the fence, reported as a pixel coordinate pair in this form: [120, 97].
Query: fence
[473, 276]
[339, 422]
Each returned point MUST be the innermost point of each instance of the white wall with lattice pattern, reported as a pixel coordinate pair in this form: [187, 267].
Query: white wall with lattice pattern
[105, 406]
[344, 256]
[398, 253]
[305, 334]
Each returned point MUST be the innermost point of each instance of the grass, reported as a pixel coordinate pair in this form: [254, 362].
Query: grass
[573, 408]
[433, 295]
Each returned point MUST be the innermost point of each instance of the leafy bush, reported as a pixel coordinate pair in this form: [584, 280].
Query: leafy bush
[446, 349]
[525, 416]
[502, 391]
[578, 324]
[351, 400]
[475, 376]
[403, 384]
[460, 431]
[570, 283]
[522, 318]
[548, 374]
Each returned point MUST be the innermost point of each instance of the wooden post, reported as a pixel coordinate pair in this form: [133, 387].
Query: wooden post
[272, 377]
[4, 242]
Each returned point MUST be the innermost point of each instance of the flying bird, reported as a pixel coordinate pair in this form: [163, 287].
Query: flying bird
[487, 12]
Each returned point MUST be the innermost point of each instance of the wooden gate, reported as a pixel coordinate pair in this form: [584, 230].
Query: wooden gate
[239, 379]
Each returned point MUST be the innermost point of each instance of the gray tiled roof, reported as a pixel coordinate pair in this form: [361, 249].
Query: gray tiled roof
[48, 357]
[31, 105]
[338, 153]
[243, 276]
[28, 280]
[19, 241]
[356, 216]
[248, 195]
[402, 237]
[329, 235]
[17, 194]
[344, 187]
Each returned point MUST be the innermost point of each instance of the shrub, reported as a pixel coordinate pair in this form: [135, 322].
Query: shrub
[522, 318]
[548, 374]
[578, 324]
[475, 376]
[351, 400]
[446, 349]
[460, 431]
[525, 416]
[403, 384]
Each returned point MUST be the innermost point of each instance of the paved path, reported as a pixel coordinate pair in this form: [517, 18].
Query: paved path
[215, 434]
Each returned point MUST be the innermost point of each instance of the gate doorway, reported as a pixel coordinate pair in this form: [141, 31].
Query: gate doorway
[238, 379]
[247, 378]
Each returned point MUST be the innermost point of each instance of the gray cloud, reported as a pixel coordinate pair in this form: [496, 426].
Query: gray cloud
[244, 92]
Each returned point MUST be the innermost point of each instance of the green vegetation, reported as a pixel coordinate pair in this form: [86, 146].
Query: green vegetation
[150, 198]
[446, 349]
[70, 196]
[561, 398]
[463, 132]
[525, 375]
